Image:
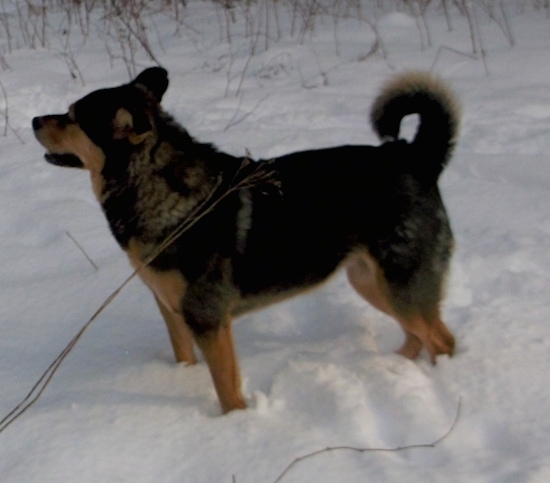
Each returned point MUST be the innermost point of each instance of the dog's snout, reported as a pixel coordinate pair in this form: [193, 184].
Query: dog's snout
[37, 123]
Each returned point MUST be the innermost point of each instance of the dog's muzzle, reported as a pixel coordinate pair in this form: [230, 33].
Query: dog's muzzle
[58, 159]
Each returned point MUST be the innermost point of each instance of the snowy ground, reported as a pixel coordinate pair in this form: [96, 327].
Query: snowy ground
[318, 371]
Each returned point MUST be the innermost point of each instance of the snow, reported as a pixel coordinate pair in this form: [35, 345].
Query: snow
[319, 370]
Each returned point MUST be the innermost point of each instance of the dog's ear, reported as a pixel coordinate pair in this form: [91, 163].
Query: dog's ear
[153, 80]
[132, 126]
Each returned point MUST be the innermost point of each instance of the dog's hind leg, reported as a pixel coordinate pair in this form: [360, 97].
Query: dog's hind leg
[425, 331]
[219, 352]
[180, 334]
[422, 325]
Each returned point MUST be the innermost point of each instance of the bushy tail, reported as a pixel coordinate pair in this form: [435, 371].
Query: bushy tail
[423, 94]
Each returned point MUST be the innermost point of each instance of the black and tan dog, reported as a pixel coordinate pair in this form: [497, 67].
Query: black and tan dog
[263, 231]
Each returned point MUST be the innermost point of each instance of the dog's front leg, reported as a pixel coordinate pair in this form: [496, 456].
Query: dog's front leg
[219, 352]
[180, 334]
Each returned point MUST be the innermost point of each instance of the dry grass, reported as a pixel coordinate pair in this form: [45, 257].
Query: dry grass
[129, 27]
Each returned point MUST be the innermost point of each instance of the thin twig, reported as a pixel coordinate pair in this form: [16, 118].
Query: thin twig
[365, 450]
[6, 116]
[81, 249]
[45, 379]
[139, 33]
[453, 51]
[201, 210]
[234, 121]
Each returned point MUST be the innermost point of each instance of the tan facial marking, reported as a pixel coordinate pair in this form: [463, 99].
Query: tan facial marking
[68, 138]
[123, 125]
[123, 121]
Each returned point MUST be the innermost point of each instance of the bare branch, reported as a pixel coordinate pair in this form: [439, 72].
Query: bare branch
[259, 174]
[6, 116]
[82, 250]
[234, 120]
[377, 450]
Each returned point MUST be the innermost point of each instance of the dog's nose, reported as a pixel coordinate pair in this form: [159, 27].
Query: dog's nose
[37, 123]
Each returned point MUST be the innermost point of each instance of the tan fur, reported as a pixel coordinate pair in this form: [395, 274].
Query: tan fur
[71, 139]
[169, 288]
[421, 329]
[181, 337]
[219, 351]
[123, 124]
[227, 265]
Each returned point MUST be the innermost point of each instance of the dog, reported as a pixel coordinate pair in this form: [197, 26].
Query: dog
[215, 236]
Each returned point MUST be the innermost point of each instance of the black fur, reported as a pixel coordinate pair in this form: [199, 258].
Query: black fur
[305, 215]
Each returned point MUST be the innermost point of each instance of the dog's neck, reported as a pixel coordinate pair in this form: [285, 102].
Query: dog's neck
[163, 183]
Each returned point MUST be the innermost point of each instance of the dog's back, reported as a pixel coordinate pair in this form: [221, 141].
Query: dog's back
[336, 201]
[214, 236]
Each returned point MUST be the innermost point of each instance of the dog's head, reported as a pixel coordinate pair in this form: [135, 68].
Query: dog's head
[102, 121]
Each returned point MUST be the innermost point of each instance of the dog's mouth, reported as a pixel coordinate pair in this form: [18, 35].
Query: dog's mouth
[65, 160]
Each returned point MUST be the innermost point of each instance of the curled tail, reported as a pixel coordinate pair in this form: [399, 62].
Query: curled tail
[423, 94]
